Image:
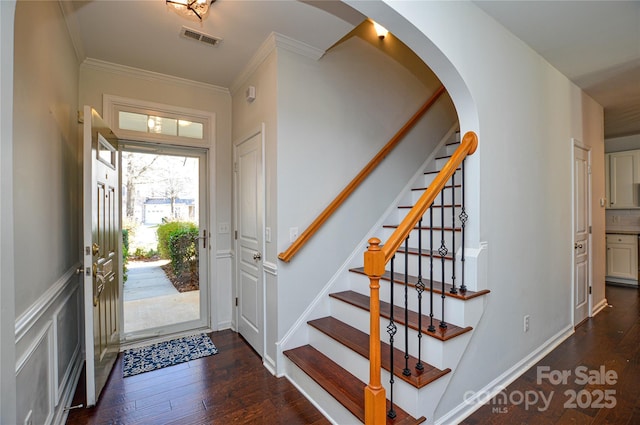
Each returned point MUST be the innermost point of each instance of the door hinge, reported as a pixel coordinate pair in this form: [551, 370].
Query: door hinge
[589, 229]
[589, 169]
[589, 293]
[235, 234]
[235, 167]
[236, 301]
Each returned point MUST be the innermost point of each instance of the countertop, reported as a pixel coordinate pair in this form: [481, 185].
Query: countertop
[623, 232]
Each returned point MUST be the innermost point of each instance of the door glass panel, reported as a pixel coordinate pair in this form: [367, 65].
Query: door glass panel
[161, 222]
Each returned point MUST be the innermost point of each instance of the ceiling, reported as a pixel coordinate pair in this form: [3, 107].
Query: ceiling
[594, 43]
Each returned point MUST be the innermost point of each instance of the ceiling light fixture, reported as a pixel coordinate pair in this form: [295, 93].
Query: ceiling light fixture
[380, 30]
[189, 8]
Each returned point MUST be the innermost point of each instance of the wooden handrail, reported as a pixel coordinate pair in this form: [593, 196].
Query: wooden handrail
[287, 255]
[375, 259]
[467, 147]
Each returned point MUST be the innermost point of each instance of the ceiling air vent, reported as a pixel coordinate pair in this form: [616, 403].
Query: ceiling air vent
[199, 36]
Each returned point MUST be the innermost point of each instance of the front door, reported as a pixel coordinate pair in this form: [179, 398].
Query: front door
[249, 195]
[581, 225]
[101, 247]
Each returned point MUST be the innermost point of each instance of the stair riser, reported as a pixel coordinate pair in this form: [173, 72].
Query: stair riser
[416, 194]
[412, 267]
[454, 307]
[335, 412]
[405, 395]
[426, 179]
[458, 311]
[426, 222]
[414, 240]
[434, 351]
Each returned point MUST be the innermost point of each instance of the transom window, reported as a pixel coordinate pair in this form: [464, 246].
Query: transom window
[133, 119]
[155, 124]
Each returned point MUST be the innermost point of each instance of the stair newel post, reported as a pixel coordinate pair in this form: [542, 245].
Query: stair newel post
[463, 221]
[431, 328]
[453, 233]
[420, 289]
[406, 371]
[443, 253]
[374, 393]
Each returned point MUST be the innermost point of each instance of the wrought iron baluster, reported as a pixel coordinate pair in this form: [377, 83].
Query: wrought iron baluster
[463, 221]
[420, 289]
[453, 233]
[391, 330]
[431, 327]
[406, 371]
[443, 252]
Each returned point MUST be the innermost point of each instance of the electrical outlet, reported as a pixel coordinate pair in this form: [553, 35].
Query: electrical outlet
[267, 234]
[223, 228]
[293, 234]
[526, 323]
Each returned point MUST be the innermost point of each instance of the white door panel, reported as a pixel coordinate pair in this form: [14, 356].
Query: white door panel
[581, 248]
[249, 195]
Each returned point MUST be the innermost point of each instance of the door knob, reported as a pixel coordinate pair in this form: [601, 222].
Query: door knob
[257, 256]
[95, 249]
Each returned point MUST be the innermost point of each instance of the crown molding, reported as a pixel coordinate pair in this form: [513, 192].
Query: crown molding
[115, 68]
[272, 42]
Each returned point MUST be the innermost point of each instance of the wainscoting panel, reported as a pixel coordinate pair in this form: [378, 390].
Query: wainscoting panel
[49, 352]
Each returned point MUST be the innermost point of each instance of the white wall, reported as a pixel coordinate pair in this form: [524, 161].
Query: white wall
[525, 113]
[100, 78]
[7, 282]
[249, 117]
[334, 115]
[46, 223]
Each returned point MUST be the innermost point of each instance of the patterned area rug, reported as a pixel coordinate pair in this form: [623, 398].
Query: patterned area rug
[168, 353]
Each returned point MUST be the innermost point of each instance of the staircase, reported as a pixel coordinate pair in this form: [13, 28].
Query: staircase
[333, 362]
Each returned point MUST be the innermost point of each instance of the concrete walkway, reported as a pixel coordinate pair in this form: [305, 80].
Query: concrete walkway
[151, 300]
[145, 279]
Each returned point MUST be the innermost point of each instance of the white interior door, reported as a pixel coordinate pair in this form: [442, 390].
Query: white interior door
[249, 195]
[101, 233]
[581, 223]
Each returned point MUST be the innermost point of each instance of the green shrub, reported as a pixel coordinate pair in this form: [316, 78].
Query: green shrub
[183, 248]
[164, 232]
[125, 253]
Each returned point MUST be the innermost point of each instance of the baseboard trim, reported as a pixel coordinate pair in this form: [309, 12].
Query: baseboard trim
[470, 405]
[62, 411]
[599, 307]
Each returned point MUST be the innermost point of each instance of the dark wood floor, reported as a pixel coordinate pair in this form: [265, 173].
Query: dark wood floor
[234, 387]
[610, 340]
[231, 387]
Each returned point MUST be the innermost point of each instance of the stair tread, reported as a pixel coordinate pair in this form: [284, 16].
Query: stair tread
[342, 385]
[437, 171]
[435, 229]
[425, 253]
[362, 301]
[358, 341]
[422, 189]
[434, 205]
[437, 286]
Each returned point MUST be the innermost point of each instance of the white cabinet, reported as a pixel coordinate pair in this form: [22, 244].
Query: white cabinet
[622, 256]
[623, 179]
